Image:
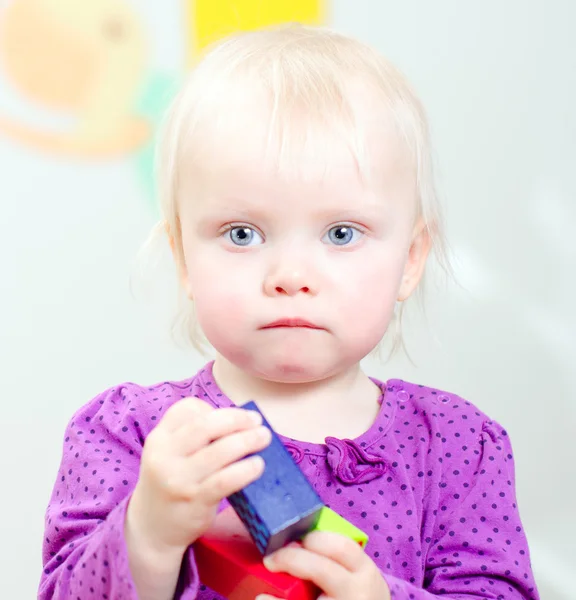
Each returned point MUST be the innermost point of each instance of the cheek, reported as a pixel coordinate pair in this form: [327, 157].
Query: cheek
[369, 297]
[222, 321]
[373, 282]
[221, 295]
[372, 311]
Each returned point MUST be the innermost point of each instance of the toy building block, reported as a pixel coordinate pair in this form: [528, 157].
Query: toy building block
[332, 521]
[281, 506]
[230, 563]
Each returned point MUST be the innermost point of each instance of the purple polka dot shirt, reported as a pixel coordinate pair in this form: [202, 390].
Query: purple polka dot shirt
[431, 482]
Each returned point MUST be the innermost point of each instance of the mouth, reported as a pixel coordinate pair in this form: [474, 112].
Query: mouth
[285, 323]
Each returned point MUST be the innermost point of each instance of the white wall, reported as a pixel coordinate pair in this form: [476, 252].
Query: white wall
[499, 81]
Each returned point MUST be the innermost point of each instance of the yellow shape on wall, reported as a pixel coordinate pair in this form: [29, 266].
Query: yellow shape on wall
[210, 20]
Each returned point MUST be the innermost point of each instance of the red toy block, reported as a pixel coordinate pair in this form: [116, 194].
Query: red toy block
[230, 563]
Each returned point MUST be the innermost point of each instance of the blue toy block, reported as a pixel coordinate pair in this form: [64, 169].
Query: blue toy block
[281, 506]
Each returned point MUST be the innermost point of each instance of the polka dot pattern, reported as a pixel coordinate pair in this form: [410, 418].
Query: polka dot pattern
[439, 506]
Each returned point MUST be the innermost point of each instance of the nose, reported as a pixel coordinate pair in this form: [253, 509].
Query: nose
[289, 280]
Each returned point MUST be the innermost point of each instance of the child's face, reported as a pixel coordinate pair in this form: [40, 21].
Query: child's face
[323, 248]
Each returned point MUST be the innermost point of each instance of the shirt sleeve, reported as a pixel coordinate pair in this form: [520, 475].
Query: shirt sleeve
[84, 548]
[477, 548]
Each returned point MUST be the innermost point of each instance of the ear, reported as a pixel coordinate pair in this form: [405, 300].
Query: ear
[178, 255]
[416, 261]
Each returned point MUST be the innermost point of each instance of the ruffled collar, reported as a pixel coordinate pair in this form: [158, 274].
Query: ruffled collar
[353, 462]
[350, 463]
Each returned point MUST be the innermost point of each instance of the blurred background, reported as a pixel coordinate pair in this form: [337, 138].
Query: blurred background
[82, 88]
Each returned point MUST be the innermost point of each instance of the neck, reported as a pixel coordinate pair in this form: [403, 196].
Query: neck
[345, 398]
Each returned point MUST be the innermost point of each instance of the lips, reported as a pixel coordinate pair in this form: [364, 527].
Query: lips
[295, 322]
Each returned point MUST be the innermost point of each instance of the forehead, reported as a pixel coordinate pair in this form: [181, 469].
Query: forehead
[246, 128]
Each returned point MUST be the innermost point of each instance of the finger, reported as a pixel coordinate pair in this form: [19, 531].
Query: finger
[300, 562]
[227, 450]
[184, 411]
[188, 411]
[231, 479]
[203, 429]
[336, 547]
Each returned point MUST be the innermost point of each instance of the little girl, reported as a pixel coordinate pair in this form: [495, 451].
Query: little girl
[298, 199]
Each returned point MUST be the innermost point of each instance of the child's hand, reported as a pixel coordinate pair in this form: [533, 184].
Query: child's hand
[190, 462]
[336, 564]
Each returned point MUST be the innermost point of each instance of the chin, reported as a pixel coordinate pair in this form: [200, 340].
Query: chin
[291, 372]
[291, 363]
[296, 369]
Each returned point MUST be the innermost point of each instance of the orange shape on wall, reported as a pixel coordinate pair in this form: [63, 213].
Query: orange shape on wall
[88, 58]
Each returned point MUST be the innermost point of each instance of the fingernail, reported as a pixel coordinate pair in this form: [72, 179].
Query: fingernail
[255, 417]
[263, 432]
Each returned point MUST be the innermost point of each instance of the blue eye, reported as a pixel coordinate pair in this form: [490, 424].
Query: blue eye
[243, 236]
[342, 235]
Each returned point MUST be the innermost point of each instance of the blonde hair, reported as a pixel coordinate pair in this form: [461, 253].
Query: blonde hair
[303, 69]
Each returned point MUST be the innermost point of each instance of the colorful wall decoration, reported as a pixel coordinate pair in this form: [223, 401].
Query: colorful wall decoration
[88, 58]
[91, 59]
[210, 20]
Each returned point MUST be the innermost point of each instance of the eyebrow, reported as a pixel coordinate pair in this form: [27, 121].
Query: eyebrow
[236, 209]
[242, 209]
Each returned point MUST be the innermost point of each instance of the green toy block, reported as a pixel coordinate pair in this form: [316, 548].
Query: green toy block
[332, 521]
